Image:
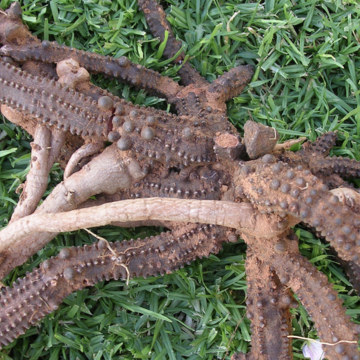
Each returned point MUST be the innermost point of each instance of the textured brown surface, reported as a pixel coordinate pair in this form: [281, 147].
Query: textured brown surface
[76, 268]
[283, 265]
[268, 308]
[195, 154]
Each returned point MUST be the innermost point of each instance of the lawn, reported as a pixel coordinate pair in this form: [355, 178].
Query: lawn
[307, 60]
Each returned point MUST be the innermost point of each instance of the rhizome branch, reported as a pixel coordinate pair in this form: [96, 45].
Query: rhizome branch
[190, 171]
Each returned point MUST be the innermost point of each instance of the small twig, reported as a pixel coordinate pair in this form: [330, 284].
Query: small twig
[108, 245]
[127, 273]
[47, 305]
[3, 12]
[355, 36]
[102, 239]
[323, 343]
[274, 138]
[288, 144]
[114, 253]
[226, 38]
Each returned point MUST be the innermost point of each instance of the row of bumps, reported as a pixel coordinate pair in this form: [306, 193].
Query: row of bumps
[40, 292]
[51, 102]
[276, 187]
[122, 68]
[321, 302]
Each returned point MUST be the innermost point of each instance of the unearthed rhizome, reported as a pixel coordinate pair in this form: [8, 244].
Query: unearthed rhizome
[190, 172]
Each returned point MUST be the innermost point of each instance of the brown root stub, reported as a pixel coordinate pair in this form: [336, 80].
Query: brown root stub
[228, 146]
[259, 139]
[321, 146]
[156, 19]
[232, 83]
[269, 315]
[188, 171]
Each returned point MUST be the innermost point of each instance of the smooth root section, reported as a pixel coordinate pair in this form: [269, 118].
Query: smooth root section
[44, 150]
[233, 215]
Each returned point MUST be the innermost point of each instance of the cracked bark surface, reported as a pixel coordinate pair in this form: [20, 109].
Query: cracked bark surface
[175, 170]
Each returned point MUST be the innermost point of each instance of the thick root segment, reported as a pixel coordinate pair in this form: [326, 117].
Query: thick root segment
[319, 299]
[344, 167]
[275, 187]
[36, 180]
[45, 149]
[319, 163]
[156, 19]
[121, 68]
[52, 103]
[320, 147]
[232, 83]
[314, 155]
[268, 304]
[271, 322]
[313, 289]
[41, 292]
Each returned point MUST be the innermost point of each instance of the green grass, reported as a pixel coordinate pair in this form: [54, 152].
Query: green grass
[307, 60]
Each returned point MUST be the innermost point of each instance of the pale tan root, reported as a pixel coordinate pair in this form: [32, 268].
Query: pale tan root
[44, 150]
[89, 148]
[108, 173]
[288, 144]
[240, 216]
